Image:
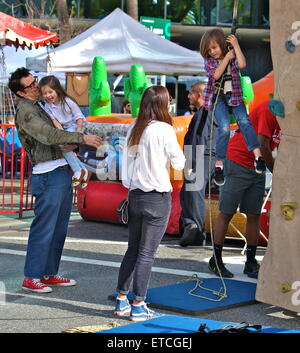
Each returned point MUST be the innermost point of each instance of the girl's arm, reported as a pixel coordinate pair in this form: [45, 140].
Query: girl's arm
[57, 124]
[241, 60]
[79, 123]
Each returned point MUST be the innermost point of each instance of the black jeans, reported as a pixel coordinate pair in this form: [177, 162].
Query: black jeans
[148, 219]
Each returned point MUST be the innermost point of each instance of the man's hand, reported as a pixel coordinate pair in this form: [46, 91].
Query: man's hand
[92, 140]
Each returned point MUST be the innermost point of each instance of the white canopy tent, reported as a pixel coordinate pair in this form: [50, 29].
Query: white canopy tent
[122, 42]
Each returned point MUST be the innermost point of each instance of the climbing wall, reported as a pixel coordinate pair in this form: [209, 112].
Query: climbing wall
[279, 277]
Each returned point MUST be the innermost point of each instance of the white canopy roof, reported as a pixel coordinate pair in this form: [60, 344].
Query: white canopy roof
[122, 42]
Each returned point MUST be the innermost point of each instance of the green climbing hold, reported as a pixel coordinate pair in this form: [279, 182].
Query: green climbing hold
[276, 108]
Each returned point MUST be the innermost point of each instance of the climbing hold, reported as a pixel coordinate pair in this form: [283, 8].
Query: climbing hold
[288, 209]
[285, 287]
[298, 104]
[276, 108]
[290, 46]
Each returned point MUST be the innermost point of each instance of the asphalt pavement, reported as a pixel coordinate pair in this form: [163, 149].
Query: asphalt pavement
[92, 255]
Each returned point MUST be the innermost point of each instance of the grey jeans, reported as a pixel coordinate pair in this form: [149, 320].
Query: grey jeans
[148, 219]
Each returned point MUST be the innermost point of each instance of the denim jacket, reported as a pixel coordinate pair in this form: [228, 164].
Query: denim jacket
[38, 135]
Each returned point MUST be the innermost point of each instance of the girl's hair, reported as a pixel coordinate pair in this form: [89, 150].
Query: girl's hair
[154, 106]
[216, 35]
[54, 83]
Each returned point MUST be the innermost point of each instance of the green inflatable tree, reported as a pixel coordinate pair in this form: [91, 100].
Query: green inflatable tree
[134, 87]
[99, 89]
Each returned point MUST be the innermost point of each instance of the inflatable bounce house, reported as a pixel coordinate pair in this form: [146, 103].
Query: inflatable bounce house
[105, 190]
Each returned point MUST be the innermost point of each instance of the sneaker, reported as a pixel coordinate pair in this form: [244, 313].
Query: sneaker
[251, 268]
[260, 165]
[35, 285]
[122, 307]
[212, 266]
[142, 313]
[85, 179]
[58, 281]
[192, 236]
[77, 179]
[219, 178]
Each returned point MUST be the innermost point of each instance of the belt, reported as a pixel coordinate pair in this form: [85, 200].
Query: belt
[150, 192]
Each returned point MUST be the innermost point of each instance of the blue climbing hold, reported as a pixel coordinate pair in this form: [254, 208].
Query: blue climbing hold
[290, 46]
[276, 108]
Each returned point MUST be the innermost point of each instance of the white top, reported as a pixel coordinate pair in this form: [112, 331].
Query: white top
[48, 166]
[68, 116]
[158, 148]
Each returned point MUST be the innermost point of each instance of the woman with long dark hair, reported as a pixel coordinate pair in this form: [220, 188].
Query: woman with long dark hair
[151, 146]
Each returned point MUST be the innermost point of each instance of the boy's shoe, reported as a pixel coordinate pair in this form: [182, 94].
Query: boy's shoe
[142, 313]
[122, 307]
[219, 178]
[212, 266]
[251, 268]
[58, 281]
[260, 165]
[35, 285]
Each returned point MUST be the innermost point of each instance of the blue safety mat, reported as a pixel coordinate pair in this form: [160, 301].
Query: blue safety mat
[176, 297]
[181, 324]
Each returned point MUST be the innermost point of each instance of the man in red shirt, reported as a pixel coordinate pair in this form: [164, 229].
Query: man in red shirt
[245, 188]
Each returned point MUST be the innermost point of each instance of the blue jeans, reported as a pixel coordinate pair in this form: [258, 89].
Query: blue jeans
[222, 118]
[148, 219]
[73, 161]
[53, 203]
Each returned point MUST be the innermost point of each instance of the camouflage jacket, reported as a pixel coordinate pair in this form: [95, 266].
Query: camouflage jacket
[38, 135]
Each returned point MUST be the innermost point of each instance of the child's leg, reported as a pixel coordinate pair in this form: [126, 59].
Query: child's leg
[223, 131]
[78, 170]
[73, 162]
[250, 137]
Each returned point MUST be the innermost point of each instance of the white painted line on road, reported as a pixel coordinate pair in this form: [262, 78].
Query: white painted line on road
[164, 270]
[71, 240]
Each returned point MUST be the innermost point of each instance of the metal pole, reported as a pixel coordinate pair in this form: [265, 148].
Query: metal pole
[78, 8]
[165, 8]
[122, 5]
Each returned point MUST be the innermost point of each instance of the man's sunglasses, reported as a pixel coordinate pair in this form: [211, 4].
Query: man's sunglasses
[33, 84]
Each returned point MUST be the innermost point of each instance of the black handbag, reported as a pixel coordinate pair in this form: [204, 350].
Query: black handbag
[122, 209]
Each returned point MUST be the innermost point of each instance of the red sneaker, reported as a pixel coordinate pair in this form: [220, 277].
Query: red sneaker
[35, 285]
[58, 281]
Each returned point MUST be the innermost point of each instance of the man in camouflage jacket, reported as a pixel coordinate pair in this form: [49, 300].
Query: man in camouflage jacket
[50, 183]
